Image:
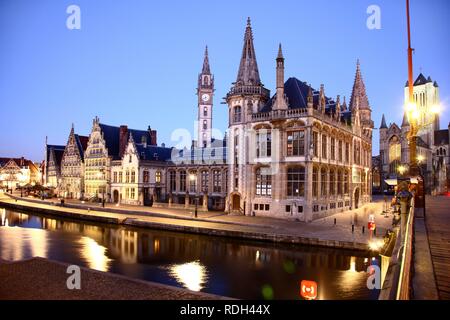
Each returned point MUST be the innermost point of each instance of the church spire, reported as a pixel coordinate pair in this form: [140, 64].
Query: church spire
[248, 73]
[359, 90]
[383, 123]
[206, 69]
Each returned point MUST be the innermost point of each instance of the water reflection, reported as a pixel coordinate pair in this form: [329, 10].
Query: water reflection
[222, 266]
[94, 254]
[192, 275]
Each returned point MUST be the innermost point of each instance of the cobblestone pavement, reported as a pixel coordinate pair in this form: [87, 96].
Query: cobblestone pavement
[41, 279]
[323, 229]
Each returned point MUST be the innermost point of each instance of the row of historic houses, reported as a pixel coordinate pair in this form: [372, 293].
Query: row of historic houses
[296, 154]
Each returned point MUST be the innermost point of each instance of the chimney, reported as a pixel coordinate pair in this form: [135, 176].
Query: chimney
[153, 136]
[123, 139]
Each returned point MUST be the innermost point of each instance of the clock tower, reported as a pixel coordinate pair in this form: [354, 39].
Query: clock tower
[205, 91]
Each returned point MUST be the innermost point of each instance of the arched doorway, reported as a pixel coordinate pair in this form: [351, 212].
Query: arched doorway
[116, 196]
[356, 198]
[236, 202]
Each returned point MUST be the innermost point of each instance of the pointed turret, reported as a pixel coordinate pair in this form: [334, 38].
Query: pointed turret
[280, 102]
[322, 101]
[359, 90]
[338, 108]
[248, 73]
[206, 69]
[405, 122]
[344, 105]
[383, 123]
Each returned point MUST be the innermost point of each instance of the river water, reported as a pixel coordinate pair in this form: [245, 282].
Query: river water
[223, 266]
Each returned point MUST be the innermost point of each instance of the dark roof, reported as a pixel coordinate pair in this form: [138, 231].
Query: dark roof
[441, 137]
[297, 94]
[421, 80]
[82, 142]
[111, 135]
[383, 123]
[54, 147]
[58, 156]
[19, 162]
[153, 153]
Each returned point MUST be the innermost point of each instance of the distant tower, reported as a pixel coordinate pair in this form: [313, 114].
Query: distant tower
[426, 95]
[205, 91]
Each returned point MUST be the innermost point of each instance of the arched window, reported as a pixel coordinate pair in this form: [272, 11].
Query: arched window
[205, 181]
[263, 182]
[158, 177]
[205, 80]
[263, 143]
[296, 182]
[205, 124]
[172, 180]
[205, 111]
[237, 114]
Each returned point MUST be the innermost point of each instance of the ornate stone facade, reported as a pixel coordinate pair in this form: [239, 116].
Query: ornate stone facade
[72, 167]
[298, 154]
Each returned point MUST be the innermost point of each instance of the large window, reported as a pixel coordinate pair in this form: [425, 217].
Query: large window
[146, 177]
[296, 182]
[332, 182]
[237, 114]
[296, 143]
[333, 149]
[217, 181]
[394, 154]
[323, 182]
[316, 144]
[205, 181]
[346, 176]
[339, 183]
[173, 180]
[315, 181]
[192, 182]
[324, 146]
[133, 176]
[347, 152]
[158, 177]
[263, 143]
[182, 180]
[340, 150]
[263, 182]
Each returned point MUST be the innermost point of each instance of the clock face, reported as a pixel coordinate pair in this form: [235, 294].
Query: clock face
[205, 97]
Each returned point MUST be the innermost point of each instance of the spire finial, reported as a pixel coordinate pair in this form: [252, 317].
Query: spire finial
[280, 52]
[205, 68]
[383, 123]
[248, 73]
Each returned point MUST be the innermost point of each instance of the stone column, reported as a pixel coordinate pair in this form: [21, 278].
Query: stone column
[308, 192]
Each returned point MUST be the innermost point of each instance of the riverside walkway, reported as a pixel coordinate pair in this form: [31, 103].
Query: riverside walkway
[322, 232]
[42, 279]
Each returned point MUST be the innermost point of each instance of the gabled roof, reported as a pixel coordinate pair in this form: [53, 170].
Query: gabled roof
[420, 80]
[153, 153]
[19, 162]
[81, 142]
[51, 147]
[441, 137]
[111, 135]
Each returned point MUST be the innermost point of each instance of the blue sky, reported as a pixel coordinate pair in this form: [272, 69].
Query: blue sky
[136, 62]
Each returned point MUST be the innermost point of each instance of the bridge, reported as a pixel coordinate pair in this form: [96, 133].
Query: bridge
[419, 260]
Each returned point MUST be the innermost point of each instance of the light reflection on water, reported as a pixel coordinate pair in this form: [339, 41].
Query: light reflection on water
[226, 267]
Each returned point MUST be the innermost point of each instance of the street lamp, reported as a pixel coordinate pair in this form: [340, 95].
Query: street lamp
[193, 178]
[402, 169]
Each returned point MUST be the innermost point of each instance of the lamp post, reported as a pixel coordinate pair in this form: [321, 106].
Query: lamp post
[193, 178]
